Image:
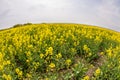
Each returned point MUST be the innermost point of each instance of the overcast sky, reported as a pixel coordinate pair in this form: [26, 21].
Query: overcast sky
[104, 13]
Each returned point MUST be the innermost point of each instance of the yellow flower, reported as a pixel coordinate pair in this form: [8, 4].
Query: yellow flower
[4, 75]
[1, 67]
[7, 77]
[58, 55]
[30, 46]
[20, 73]
[41, 55]
[17, 70]
[86, 78]
[97, 39]
[27, 61]
[110, 54]
[92, 66]
[8, 62]
[28, 75]
[46, 78]
[1, 57]
[108, 65]
[102, 53]
[97, 72]
[52, 65]
[68, 61]
[36, 65]
[49, 51]
[76, 43]
[89, 54]
[75, 65]
[73, 50]
[85, 48]
[109, 51]
[28, 53]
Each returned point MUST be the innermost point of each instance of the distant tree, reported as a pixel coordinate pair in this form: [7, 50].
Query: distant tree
[27, 24]
[17, 25]
[43, 23]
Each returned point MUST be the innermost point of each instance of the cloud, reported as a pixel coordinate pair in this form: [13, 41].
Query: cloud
[109, 12]
[96, 12]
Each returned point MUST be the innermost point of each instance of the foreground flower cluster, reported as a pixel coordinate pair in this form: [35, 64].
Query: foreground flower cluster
[56, 51]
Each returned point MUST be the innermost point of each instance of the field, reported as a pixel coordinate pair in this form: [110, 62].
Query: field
[59, 52]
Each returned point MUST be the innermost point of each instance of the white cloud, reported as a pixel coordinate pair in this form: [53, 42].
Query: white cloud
[96, 12]
[109, 12]
[50, 3]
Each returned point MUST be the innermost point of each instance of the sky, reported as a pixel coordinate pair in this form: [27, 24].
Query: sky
[104, 13]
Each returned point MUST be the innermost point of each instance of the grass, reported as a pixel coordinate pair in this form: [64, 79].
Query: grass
[59, 52]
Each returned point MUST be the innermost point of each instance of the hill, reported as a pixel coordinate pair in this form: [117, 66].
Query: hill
[59, 52]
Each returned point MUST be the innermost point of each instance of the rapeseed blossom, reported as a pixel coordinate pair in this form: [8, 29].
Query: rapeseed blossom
[26, 52]
[27, 60]
[41, 55]
[28, 75]
[59, 55]
[68, 62]
[109, 52]
[7, 77]
[97, 72]
[19, 72]
[1, 67]
[49, 51]
[85, 48]
[52, 65]
[86, 78]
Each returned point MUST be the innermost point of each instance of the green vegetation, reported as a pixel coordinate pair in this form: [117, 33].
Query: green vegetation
[59, 52]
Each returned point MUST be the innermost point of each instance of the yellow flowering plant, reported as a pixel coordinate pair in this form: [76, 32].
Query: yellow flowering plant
[51, 50]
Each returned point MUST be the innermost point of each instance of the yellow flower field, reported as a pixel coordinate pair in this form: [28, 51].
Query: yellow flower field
[59, 52]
